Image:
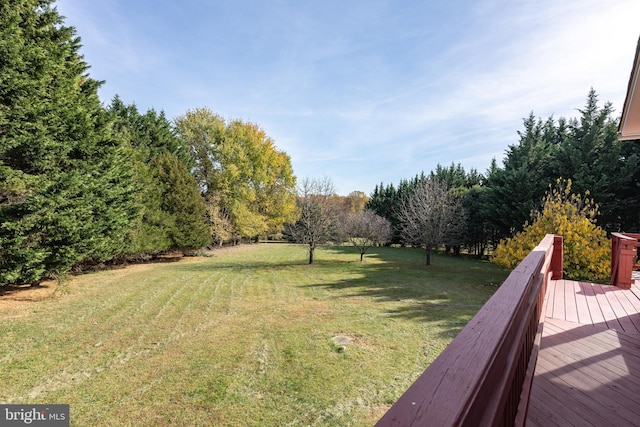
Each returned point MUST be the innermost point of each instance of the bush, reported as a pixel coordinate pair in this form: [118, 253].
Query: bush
[587, 250]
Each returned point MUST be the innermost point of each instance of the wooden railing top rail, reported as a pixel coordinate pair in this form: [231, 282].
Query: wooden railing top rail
[626, 236]
[473, 379]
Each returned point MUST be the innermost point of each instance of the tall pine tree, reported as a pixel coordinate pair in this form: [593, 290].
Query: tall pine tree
[65, 193]
[182, 201]
[172, 210]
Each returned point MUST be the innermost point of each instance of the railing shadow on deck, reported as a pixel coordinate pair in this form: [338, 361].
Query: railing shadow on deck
[483, 377]
[588, 376]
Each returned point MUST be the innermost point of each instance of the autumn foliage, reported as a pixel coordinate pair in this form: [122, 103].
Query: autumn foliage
[587, 250]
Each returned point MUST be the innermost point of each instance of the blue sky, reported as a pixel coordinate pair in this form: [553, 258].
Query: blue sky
[364, 91]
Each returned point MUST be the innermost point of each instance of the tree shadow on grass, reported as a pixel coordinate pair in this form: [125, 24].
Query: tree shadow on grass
[30, 293]
[237, 265]
[449, 292]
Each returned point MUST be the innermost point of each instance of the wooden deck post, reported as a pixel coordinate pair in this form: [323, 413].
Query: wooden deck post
[614, 258]
[623, 258]
[556, 258]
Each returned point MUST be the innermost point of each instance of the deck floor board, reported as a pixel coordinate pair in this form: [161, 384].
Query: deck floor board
[570, 303]
[582, 304]
[592, 304]
[558, 298]
[627, 301]
[548, 299]
[588, 366]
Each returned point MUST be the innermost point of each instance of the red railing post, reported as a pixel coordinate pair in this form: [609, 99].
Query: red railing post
[623, 258]
[615, 257]
[556, 258]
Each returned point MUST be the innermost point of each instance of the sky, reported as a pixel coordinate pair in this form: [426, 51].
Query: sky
[364, 91]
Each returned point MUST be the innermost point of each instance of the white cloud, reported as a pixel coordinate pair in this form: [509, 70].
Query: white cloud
[365, 92]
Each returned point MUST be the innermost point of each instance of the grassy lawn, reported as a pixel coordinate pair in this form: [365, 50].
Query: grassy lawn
[243, 337]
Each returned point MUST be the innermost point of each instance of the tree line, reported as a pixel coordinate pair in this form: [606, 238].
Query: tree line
[500, 203]
[82, 183]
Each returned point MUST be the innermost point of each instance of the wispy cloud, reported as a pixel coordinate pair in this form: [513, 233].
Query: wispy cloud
[365, 91]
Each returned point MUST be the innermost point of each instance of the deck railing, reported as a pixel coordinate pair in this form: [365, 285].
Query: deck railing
[483, 377]
[623, 258]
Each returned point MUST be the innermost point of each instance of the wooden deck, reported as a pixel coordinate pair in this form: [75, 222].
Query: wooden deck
[588, 366]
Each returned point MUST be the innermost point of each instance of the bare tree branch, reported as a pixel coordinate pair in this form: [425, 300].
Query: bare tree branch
[366, 229]
[429, 215]
[317, 221]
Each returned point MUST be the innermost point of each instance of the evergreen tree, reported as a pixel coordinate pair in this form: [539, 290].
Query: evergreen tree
[517, 188]
[150, 134]
[385, 201]
[625, 215]
[509, 200]
[172, 211]
[66, 195]
[584, 149]
[477, 231]
[454, 176]
[182, 201]
[150, 232]
[591, 157]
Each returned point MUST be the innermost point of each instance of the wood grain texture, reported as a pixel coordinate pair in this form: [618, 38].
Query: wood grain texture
[588, 371]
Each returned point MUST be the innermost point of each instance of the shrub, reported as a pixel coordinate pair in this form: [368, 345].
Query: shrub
[587, 250]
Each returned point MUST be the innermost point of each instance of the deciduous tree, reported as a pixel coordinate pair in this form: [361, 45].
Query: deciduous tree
[355, 201]
[429, 215]
[238, 167]
[365, 229]
[317, 221]
[586, 246]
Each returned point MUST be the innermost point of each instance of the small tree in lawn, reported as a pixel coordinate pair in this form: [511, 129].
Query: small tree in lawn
[587, 252]
[317, 221]
[366, 229]
[428, 215]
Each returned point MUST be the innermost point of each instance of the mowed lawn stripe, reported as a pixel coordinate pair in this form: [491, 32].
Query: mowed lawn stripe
[98, 331]
[242, 337]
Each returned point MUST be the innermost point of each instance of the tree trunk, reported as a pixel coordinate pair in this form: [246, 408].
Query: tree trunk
[427, 257]
[361, 256]
[311, 249]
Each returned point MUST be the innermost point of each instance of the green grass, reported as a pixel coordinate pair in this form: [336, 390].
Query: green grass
[240, 338]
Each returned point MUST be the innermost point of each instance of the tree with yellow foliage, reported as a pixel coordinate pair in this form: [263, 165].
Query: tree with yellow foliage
[587, 251]
[248, 184]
